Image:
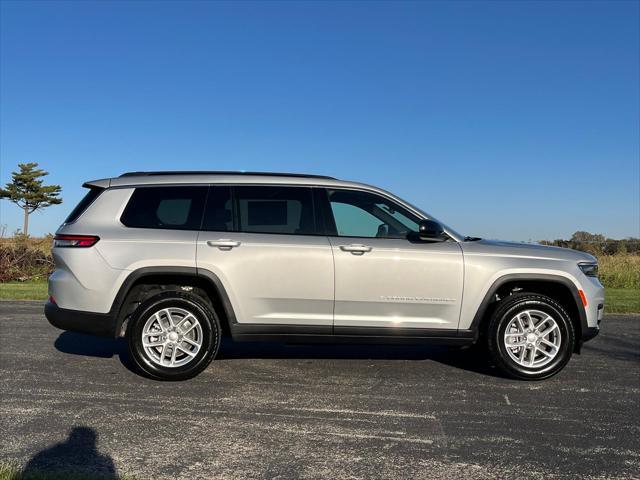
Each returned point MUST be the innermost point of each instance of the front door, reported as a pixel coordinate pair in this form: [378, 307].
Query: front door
[381, 278]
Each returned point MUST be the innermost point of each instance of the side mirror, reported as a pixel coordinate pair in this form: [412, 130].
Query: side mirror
[430, 231]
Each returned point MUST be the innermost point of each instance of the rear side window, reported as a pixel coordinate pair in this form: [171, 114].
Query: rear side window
[218, 215]
[87, 200]
[275, 209]
[177, 208]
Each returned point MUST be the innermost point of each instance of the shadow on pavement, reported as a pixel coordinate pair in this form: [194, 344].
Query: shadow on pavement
[92, 346]
[77, 456]
[469, 359]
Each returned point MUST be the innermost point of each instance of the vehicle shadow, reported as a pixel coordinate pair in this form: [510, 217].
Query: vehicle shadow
[92, 346]
[469, 359]
[77, 456]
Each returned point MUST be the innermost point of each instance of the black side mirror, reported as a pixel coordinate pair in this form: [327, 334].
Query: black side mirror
[430, 231]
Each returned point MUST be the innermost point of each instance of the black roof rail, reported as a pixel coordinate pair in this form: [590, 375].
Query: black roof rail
[205, 172]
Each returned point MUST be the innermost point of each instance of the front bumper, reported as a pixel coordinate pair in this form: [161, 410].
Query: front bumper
[100, 324]
[592, 332]
[589, 333]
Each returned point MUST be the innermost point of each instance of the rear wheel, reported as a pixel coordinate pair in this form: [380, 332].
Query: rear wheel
[173, 336]
[530, 336]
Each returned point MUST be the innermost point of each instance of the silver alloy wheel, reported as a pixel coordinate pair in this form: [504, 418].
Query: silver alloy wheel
[532, 338]
[172, 337]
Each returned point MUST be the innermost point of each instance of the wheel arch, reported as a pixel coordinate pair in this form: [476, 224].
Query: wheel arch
[144, 282]
[559, 288]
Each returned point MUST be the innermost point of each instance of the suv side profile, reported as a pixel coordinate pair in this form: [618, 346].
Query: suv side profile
[175, 260]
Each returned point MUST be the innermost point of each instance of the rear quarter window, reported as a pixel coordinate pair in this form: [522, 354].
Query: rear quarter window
[87, 200]
[177, 208]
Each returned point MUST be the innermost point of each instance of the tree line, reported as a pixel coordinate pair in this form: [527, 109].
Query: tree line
[597, 244]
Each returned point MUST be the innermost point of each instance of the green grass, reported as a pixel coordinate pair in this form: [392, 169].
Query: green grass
[622, 300]
[11, 472]
[23, 291]
[618, 300]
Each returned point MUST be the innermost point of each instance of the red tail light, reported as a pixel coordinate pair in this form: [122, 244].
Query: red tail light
[81, 241]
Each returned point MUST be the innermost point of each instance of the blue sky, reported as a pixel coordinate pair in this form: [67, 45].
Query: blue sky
[514, 120]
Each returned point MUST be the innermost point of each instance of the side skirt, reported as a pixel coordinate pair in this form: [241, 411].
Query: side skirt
[350, 335]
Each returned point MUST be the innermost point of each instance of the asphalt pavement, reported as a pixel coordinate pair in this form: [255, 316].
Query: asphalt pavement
[72, 402]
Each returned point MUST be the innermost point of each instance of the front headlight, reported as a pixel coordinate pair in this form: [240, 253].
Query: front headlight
[589, 269]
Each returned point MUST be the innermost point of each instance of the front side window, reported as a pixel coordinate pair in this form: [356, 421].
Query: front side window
[363, 214]
[274, 209]
[178, 208]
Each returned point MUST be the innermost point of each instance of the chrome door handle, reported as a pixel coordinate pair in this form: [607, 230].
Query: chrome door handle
[355, 249]
[223, 244]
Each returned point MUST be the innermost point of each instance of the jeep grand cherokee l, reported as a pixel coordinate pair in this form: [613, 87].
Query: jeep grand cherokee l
[174, 260]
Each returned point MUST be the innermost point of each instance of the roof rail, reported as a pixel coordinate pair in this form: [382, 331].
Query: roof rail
[205, 172]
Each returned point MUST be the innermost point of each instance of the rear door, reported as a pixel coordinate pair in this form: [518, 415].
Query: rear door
[262, 242]
[383, 281]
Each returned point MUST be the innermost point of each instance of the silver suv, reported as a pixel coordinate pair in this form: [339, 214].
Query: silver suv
[174, 260]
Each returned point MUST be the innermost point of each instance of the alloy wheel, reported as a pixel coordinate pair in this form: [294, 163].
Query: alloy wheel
[172, 337]
[532, 338]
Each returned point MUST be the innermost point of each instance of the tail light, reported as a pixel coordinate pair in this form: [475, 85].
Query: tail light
[80, 241]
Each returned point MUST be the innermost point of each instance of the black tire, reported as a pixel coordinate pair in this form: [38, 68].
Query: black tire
[195, 305]
[507, 310]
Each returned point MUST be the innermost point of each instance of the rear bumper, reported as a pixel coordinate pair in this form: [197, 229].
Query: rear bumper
[101, 324]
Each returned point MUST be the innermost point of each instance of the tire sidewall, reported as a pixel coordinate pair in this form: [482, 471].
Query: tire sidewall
[566, 333]
[210, 332]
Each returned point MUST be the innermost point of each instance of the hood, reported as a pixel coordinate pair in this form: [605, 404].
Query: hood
[535, 250]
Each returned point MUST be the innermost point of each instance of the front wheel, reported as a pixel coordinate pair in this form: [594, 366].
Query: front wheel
[530, 336]
[173, 336]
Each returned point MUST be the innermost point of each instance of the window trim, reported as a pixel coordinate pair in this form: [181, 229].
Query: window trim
[323, 215]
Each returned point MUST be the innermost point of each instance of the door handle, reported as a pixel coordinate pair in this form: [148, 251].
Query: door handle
[223, 244]
[355, 249]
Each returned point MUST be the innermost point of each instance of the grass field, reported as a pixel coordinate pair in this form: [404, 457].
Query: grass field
[620, 271]
[619, 300]
[23, 291]
[622, 300]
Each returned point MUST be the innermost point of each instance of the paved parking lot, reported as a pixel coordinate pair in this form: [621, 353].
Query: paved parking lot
[286, 411]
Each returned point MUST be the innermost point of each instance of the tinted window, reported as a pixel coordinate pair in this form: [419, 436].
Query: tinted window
[218, 214]
[362, 214]
[87, 200]
[177, 208]
[275, 210]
